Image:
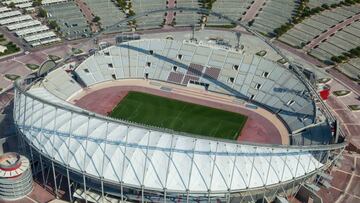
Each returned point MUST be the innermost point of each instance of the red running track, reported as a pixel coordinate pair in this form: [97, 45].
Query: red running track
[257, 128]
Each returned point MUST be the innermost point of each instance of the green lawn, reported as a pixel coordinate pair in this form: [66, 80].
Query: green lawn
[179, 116]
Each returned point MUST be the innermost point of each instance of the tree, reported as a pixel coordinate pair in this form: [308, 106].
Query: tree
[122, 4]
[348, 54]
[325, 6]
[251, 22]
[342, 58]
[42, 13]
[37, 3]
[12, 5]
[355, 52]
[131, 13]
[96, 19]
[207, 4]
[336, 59]
[53, 25]
[334, 5]
[350, 2]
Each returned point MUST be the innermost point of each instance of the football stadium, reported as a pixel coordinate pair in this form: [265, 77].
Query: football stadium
[212, 111]
[149, 155]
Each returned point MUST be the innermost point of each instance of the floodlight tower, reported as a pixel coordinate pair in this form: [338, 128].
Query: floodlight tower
[193, 33]
[238, 35]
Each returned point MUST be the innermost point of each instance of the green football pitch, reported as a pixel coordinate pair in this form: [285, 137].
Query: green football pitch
[179, 116]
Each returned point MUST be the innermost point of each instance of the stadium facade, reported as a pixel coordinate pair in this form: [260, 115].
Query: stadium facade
[95, 156]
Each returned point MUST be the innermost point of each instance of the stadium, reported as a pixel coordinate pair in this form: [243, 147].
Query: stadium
[179, 101]
[164, 120]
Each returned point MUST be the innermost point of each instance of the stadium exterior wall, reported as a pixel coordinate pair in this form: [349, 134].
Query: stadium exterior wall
[129, 193]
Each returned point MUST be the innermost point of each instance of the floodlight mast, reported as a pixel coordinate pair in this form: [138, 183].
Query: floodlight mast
[193, 33]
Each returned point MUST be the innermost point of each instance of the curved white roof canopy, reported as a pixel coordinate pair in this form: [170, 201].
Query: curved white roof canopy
[153, 159]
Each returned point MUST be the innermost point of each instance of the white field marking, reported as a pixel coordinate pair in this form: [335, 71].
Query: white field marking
[135, 112]
[216, 129]
[179, 113]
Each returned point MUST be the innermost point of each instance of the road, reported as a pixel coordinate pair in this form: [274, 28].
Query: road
[253, 10]
[299, 53]
[88, 14]
[353, 86]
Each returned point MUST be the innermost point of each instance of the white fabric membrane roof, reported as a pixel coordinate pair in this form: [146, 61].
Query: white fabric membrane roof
[154, 159]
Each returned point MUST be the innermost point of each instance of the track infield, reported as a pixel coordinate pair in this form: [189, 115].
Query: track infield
[179, 116]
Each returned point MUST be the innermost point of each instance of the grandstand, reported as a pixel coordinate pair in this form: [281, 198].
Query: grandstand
[228, 72]
[61, 85]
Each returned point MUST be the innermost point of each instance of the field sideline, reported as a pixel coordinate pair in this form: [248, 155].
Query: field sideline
[179, 116]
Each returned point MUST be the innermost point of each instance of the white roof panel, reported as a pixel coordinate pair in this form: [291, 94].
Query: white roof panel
[9, 14]
[16, 1]
[44, 2]
[40, 36]
[31, 30]
[22, 25]
[15, 19]
[24, 5]
[4, 9]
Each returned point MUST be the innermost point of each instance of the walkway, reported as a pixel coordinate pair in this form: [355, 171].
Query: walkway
[88, 14]
[253, 10]
[350, 120]
[12, 38]
[325, 35]
[346, 181]
[170, 14]
[262, 126]
[300, 53]
[353, 86]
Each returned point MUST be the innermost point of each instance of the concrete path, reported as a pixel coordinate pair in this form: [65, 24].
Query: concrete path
[12, 38]
[84, 8]
[170, 14]
[331, 31]
[299, 53]
[253, 10]
[353, 86]
[346, 181]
